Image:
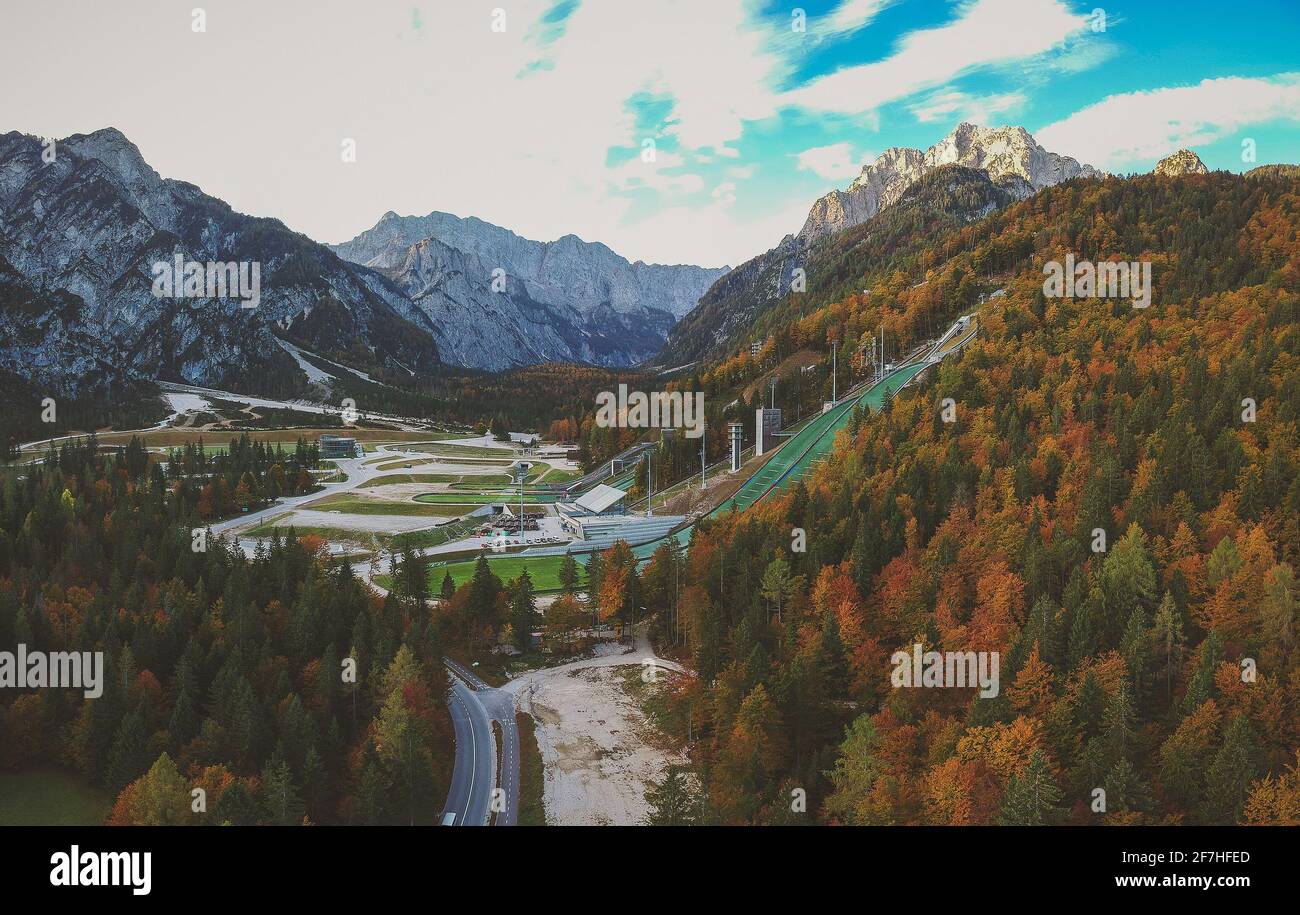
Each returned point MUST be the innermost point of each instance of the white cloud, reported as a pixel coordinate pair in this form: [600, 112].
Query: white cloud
[747, 233]
[1137, 128]
[835, 162]
[986, 33]
[466, 120]
[852, 15]
[725, 193]
[953, 106]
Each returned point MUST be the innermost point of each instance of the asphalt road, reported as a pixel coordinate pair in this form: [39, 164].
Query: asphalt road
[494, 705]
[474, 777]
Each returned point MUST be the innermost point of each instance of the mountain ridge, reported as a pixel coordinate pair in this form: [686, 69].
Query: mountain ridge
[1013, 165]
[90, 226]
[512, 300]
[1009, 155]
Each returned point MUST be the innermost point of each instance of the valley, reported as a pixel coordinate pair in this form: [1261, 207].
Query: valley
[413, 454]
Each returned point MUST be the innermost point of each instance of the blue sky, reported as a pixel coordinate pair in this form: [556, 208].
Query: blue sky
[537, 114]
[1119, 90]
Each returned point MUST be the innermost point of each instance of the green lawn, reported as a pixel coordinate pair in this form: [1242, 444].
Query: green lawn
[418, 540]
[327, 533]
[556, 475]
[405, 462]
[477, 462]
[352, 505]
[531, 774]
[477, 498]
[468, 480]
[50, 799]
[460, 450]
[544, 571]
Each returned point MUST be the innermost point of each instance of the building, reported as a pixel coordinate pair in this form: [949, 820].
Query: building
[338, 446]
[597, 518]
[601, 500]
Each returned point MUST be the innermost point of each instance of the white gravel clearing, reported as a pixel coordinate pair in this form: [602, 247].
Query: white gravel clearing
[595, 742]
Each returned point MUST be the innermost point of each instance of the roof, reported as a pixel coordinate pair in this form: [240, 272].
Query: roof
[600, 498]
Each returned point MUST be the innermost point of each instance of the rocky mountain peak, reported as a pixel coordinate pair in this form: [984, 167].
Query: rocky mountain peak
[1183, 162]
[127, 168]
[1008, 155]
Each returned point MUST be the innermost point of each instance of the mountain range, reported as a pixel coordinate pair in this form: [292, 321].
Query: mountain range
[996, 166]
[83, 224]
[1011, 158]
[80, 233]
[562, 301]
[80, 236]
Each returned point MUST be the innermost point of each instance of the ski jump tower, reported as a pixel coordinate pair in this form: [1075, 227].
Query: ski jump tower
[737, 433]
[767, 423]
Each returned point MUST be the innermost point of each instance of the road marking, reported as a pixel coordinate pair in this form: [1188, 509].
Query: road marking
[469, 795]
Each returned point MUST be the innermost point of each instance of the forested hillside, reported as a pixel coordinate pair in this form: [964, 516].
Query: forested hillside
[736, 307]
[221, 672]
[1157, 663]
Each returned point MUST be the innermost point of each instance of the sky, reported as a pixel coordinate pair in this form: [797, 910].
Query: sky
[672, 131]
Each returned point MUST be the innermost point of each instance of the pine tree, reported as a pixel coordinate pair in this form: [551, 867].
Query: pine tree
[372, 793]
[1125, 789]
[161, 796]
[1031, 796]
[280, 794]
[1169, 641]
[238, 807]
[1228, 781]
[523, 611]
[671, 801]
[129, 756]
[448, 587]
[1083, 630]
[413, 582]
[1134, 646]
[483, 590]
[777, 586]
[569, 574]
[1201, 686]
[832, 658]
[1128, 583]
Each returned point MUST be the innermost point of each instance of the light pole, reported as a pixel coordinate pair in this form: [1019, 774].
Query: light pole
[523, 473]
[703, 434]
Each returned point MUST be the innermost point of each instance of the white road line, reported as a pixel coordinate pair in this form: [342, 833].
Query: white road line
[469, 796]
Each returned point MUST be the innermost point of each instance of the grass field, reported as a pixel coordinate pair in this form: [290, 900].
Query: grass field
[466, 481]
[351, 504]
[266, 529]
[50, 799]
[460, 450]
[543, 570]
[394, 465]
[172, 437]
[477, 462]
[477, 498]
[418, 540]
[556, 475]
[531, 774]
[480, 481]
